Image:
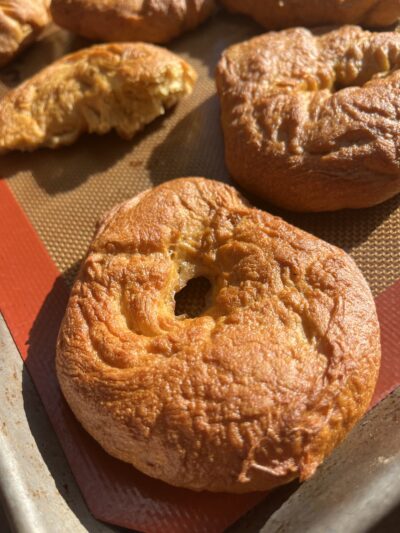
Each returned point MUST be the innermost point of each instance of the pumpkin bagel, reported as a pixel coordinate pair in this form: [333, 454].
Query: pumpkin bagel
[154, 21]
[255, 391]
[279, 14]
[311, 120]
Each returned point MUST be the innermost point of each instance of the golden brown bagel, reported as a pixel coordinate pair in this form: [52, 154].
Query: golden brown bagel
[279, 14]
[121, 86]
[311, 123]
[155, 21]
[252, 393]
[21, 21]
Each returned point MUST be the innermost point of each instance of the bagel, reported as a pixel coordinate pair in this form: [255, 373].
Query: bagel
[131, 20]
[121, 86]
[21, 21]
[252, 393]
[311, 121]
[280, 14]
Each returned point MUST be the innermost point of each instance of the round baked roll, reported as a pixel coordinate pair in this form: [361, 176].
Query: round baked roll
[279, 14]
[255, 391]
[131, 20]
[112, 86]
[21, 21]
[311, 121]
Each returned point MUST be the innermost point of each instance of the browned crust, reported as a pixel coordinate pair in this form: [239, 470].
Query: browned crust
[21, 21]
[153, 21]
[279, 14]
[311, 122]
[251, 394]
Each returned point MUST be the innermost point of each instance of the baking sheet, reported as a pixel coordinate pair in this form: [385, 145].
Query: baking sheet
[37, 488]
[63, 194]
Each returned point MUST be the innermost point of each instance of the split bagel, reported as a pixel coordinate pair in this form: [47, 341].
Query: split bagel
[311, 120]
[255, 391]
[112, 86]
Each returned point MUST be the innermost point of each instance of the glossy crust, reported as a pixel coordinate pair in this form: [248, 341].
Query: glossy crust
[21, 21]
[155, 21]
[251, 394]
[121, 86]
[311, 122]
[279, 14]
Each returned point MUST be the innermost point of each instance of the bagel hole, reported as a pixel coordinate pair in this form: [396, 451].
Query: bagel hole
[193, 299]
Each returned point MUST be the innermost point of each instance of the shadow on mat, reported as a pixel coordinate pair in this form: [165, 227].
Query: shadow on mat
[387, 524]
[66, 168]
[187, 150]
[207, 42]
[54, 44]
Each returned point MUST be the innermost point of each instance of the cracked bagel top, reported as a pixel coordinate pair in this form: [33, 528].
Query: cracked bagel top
[255, 391]
[155, 21]
[311, 120]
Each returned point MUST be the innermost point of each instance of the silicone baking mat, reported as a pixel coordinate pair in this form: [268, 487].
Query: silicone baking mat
[62, 194]
[65, 191]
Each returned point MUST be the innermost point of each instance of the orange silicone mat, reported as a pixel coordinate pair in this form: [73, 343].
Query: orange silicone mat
[62, 193]
[33, 297]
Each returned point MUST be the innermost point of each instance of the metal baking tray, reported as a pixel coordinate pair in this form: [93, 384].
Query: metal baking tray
[357, 490]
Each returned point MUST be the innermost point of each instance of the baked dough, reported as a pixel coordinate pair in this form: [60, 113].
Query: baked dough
[252, 393]
[155, 21]
[311, 121]
[21, 21]
[121, 86]
[279, 14]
